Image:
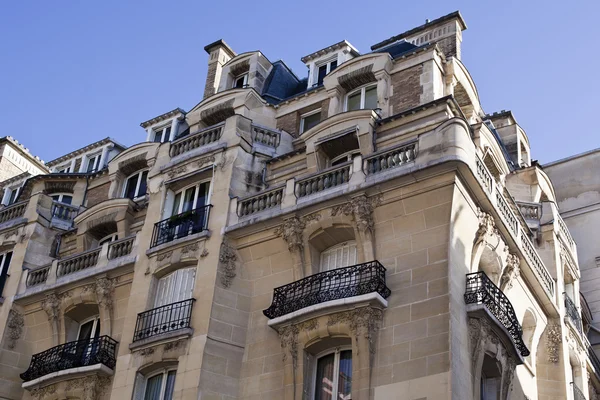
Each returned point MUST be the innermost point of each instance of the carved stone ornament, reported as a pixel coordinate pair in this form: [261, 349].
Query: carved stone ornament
[190, 248]
[51, 305]
[104, 288]
[553, 339]
[164, 256]
[288, 336]
[361, 321]
[174, 345]
[14, 327]
[204, 253]
[592, 391]
[148, 351]
[227, 261]
[205, 160]
[102, 220]
[224, 162]
[177, 171]
[292, 229]
[511, 272]
[58, 187]
[487, 226]
[361, 208]
[43, 392]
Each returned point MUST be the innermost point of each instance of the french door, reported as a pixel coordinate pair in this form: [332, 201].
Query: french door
[189, 213]
[87, 340]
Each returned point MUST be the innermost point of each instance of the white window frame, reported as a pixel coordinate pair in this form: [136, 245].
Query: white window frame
[362, 90]
[64, 169]
[61, 196]
[336, 369]
[96, 319]
[163, 130]
[319, 64]
[308, 114]
[15, 190]
[333, 250]
[4, 269]
[164, 372]
[195, 203]
[243, 76]
[160, 300]
[108, 239]
[137, 196]
[97, 158]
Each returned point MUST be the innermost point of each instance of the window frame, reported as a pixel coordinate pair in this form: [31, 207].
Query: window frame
[163, 133]
[308, 114]
[14, 190]
[164, 372]
[195, 202]
[96, 157]
[347, 243]
[245, 77]
[327, 63]
[137, 196]
[61, 197]
[336, 369]
[4, 270]
[96, 319]
[113, 238]
[64, 169]
[363, 91]
[185, 270]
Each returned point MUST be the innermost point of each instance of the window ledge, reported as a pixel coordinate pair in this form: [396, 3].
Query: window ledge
[329, 307]
[162, 338]
[153, 250]
[70, 373]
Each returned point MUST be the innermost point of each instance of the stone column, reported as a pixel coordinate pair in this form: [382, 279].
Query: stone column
[104, 289]
[174, 126]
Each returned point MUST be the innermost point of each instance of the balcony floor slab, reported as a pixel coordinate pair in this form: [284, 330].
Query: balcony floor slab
[70, 373]
[162, 338]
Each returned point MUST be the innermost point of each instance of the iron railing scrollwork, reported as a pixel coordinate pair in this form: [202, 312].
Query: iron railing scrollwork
[180, 225]
[573, 314]
[481, 290]
[330, 285]
[80, 353]
[163, 319]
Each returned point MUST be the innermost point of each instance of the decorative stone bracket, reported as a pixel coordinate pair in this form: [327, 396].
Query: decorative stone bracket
[227, 262]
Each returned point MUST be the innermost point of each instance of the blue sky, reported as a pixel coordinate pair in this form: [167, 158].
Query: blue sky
[73, 72]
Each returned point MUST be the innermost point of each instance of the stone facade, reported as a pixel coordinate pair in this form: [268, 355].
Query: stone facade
[392, 251]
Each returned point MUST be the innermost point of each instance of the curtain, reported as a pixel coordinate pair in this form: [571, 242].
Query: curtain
[170, 385]
[345, 377]
[153, 386]
[324, 381]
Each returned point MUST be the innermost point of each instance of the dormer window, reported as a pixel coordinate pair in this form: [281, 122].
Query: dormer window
[323, 69]
[162, 135]
[64, 169]
[241, 81]
[363, 98]
[136, 185]
[93, 164]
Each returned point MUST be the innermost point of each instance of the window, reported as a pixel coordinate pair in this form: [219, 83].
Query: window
[323, 70]
[333, 378]
[191, 198]
[309, 120]
[64, 169]
[162, 135]
[93, 164]
[159, 386]
[174, 287]
[136, 185]
[363, 98]
[240, 82]
[344, 158]
[62, 212]
[11, 195]
[4, 265]
[63, 198]
[489, 388]
[339, 256]
[108, 239]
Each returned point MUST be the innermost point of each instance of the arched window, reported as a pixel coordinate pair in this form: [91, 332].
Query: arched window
[174, 287]
[362, 98]
[156, 385]
[333, 378]
[339, 256]
[136, 185]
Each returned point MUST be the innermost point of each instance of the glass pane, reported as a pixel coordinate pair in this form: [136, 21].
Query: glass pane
[203, 195]
[345, 377]
[13, 196]
[188, 199]
[67, 199]
[371, 98]
[130, 186]
[332, 65]
[85, 331]
[143, 184]
[167, 133]
[322, 73]
[153, 388]
[170, 385]
[354, 102]
[5, 263]
[310, 121]
[324, 381]
[55, 197]
[158, 136]
[239, 82]
[176, 204]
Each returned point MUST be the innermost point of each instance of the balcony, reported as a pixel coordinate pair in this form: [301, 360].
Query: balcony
[63, 215]
[180, 225]
[13, 211]
[195, 140]
[532, 212]
[572, 315]
[90, 262]
[480, 290]
[328, 286]
[158, 322]
[64, 359]
[577, 393]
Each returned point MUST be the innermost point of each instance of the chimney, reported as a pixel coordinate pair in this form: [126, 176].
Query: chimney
[218, 54]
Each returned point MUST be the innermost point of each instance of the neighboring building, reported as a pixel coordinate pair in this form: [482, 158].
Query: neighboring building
[367, 232]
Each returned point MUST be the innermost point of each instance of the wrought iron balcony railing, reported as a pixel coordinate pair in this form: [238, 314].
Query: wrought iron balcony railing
[163, 319]
[573, 313]
[594, 360]
[336, 284]
[180, 225]
[577, 393]
[481, 290]
[81, 353]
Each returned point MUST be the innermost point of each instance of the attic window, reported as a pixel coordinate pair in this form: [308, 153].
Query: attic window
[240, 82]
[323, 69]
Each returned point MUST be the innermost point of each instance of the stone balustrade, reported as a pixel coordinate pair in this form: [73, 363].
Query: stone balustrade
[38, 276]
[265, 136]
[120, 248]
[324, 180]
[389, 159]
[530, 211]
[13, 211]
[198, 139]
[78, 262]
[260, 202]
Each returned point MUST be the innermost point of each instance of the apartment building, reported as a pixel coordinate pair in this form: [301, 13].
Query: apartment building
[365, 232]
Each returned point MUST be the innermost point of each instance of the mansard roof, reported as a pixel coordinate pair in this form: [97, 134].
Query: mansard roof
[85, 149]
